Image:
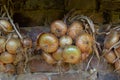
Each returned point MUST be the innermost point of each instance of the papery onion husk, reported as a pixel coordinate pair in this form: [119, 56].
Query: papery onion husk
[57, 55]
[2, 43]
[71, 54]
[58, 28]
[75, 28]
[48, 58]
[6, 24]
[84, 42]
[47, 42]
[65, 41]
[110, 57]
[111, 39]
[13, 45]
[6, 58]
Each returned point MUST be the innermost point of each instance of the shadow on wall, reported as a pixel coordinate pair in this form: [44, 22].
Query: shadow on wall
[21, 19]
[106, 17]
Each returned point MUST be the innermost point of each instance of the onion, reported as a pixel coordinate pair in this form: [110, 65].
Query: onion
[118, 51]
[13, 45]
[75, 29]
[6, 57]
[84, 43]
[117, 65]
[110, 57]
[2, 67]
[6, 26]
[14, 35]
[59, 28]
[2, 43]
[111, 39]
[10, 68]
[48, 58]
[57, 55]
[27, 43]
[65, 41]
[47, 42]
[71, 54]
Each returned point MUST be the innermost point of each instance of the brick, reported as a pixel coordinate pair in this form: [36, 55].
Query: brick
[38, 65]
[33, 32]
[4, 76]
[103, 65]
[70, 76]
[109, 76]
[32, 77]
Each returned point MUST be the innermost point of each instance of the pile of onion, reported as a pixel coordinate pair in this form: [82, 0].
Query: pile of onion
[11, 47]
[65, 44]
[111, 53]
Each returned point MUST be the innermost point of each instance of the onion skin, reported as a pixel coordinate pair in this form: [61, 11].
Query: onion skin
[2, 43]
[48, 58]
[47, 42]
[13, 45]
[6, 25]
[71, 54]
[84, 56]
[84, 43]
[14, 35]
[117, 65]
[110, 57]
[10, 68]
[6, 58]
[57, 55]
[65, 41]
[75, 29]
[2, 67]
[118, 51]
[27, 43]
[59, 28]
[111, 39]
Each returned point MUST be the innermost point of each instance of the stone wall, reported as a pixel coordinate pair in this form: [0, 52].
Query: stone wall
[43, 12]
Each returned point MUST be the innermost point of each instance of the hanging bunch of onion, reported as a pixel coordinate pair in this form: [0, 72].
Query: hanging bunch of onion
[8, 50]
[9, 45]
[111, 49]
[111, 39]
